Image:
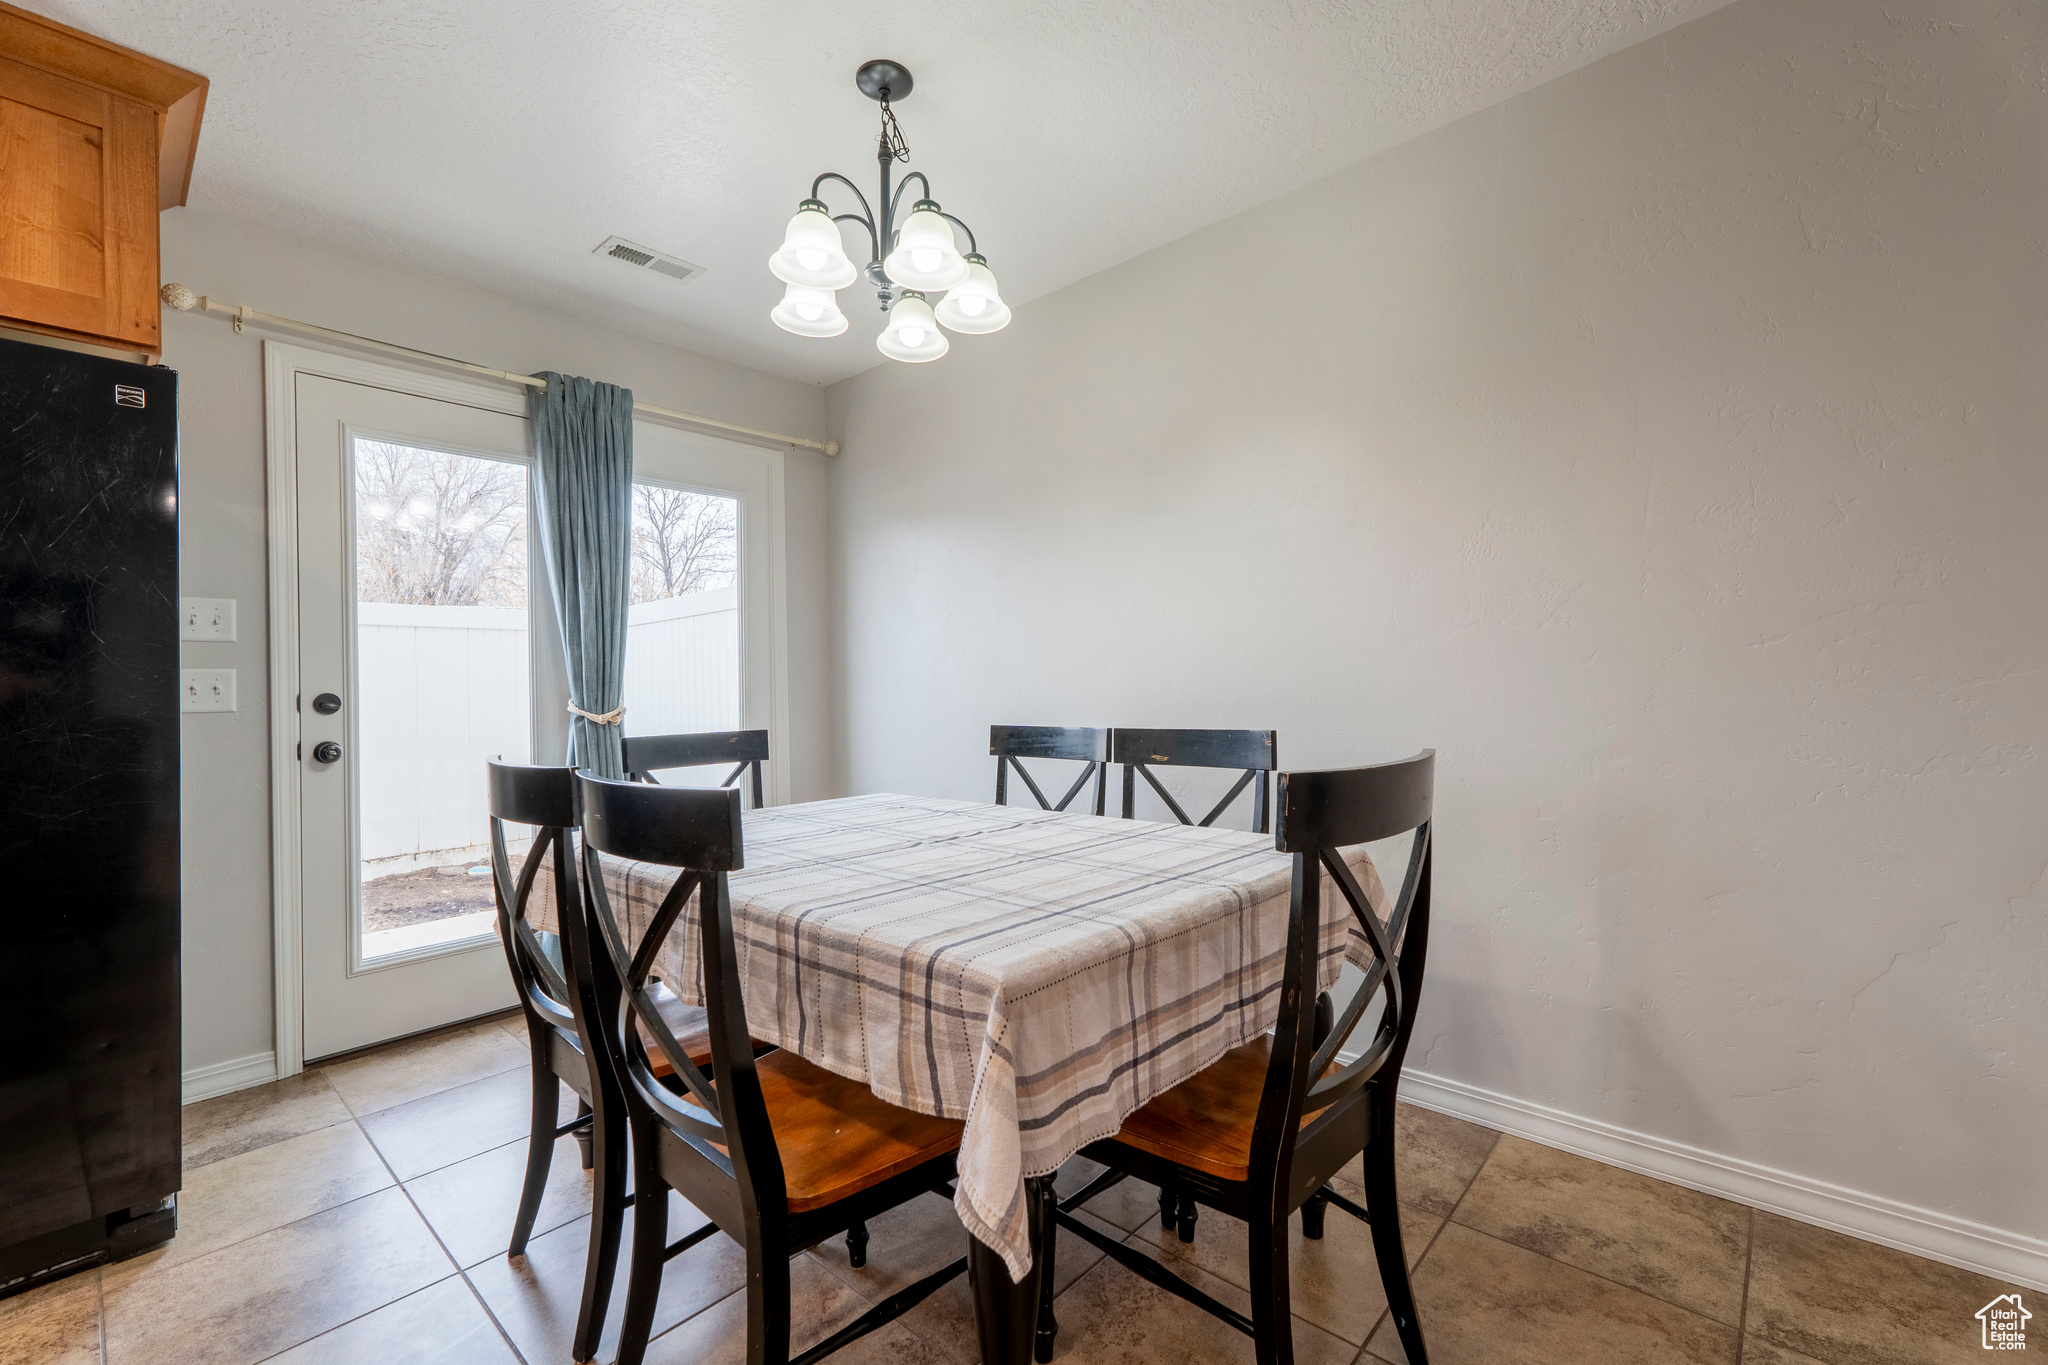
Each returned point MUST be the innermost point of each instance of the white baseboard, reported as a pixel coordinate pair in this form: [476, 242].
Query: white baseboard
[2003, 1255]
[239, 1073]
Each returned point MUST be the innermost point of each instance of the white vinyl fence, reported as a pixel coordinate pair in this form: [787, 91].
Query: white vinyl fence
[443, 688]
[683, 664]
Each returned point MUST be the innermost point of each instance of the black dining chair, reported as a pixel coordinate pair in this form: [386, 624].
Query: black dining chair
[552, 973]
[780, 1154]
[1259, 1133]
[1078, 744]
[644, 755]
[1255, 751]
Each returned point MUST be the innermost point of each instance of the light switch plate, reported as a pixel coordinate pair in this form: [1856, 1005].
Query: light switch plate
[208, 689]
[206, 618]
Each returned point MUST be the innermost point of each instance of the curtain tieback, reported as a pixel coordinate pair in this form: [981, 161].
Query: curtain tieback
[611, 717]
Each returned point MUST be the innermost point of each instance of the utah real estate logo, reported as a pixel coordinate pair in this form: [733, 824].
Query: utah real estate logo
[2005, 1323]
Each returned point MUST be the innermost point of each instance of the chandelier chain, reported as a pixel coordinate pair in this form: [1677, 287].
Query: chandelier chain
[892, 133]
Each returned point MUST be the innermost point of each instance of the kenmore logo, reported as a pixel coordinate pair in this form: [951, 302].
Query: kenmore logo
[128, 396]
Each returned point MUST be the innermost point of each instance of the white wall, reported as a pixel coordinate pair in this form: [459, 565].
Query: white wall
[227, 974]
[1664, 447]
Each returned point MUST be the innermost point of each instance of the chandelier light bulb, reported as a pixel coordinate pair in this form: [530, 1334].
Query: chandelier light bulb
[812, 254]
[809, 312]
[973, 306]
[925, 257]
[913, 333]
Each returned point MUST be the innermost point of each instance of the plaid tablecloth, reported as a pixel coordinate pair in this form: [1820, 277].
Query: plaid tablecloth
[1037, 975]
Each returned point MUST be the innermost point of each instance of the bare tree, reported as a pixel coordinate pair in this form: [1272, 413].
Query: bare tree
[435, 529]
[682, 542]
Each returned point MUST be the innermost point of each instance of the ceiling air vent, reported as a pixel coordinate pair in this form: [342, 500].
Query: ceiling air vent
[646, 258]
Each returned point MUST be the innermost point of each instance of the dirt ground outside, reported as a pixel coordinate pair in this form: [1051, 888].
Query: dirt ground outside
[401, 899]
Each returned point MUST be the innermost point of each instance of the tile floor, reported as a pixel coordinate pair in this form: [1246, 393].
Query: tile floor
[359, 1213]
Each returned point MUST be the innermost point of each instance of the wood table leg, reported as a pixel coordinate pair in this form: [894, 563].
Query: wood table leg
[1006, 1313]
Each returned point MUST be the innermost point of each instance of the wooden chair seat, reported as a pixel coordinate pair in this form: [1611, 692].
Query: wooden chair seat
[836, 1137]
[1205, 1122]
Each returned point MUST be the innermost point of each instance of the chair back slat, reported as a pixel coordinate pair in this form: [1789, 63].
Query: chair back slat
[672, 905]
[1011, 744]
[1098, 771]
[1418, 857]
[1327, 1088]
[1242, 779]
[1164, 794]
[641, 999]
[1321, 814]
[524, 795]
[1370, 1058]
[546, 799]
[1075, 743]
[698, 832]
[1354, 805]
[645, 755]
[555, 984]
[684, 827]
[612, 989]
[1255, 751]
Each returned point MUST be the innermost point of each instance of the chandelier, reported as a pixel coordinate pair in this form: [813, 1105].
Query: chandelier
[908, 261]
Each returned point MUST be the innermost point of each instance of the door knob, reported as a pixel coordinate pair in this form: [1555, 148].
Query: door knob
[326, 751]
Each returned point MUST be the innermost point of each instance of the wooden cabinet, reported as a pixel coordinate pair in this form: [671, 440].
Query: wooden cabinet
[95, 140]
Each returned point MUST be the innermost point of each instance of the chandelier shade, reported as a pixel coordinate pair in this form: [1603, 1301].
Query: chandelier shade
[973, 307]
[809, 312]
[812, 254]
[913, 333]
[925, 257]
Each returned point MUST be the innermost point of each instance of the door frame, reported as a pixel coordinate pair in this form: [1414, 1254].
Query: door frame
[283, 363]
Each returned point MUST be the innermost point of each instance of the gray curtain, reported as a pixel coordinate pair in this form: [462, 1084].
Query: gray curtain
[583, 479]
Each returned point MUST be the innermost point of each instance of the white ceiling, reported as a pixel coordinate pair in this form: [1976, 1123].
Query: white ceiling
[498, 141]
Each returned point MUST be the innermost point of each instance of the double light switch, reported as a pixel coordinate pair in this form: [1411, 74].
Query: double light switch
[206, 618]
[212, 620]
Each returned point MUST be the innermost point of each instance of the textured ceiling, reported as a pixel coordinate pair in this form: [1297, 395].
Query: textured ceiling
[499, 141]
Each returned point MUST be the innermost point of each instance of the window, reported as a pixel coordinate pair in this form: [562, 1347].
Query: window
[683, 626]
[443, 683]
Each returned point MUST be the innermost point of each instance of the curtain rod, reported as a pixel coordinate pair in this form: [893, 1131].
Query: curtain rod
[183, 300]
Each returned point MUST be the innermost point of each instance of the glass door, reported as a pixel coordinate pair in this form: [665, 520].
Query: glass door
[428, 643]
[442, 625]
[418, 603]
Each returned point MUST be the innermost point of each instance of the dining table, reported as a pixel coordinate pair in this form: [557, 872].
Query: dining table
[1038, 975]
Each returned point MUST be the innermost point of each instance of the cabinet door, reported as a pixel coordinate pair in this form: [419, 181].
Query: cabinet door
[78, 209]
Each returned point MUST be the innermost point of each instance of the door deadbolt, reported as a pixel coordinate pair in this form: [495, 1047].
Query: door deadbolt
[326, 751]
[327, 703]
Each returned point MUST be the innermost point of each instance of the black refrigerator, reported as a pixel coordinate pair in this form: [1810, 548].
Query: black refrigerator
[89, 1011]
